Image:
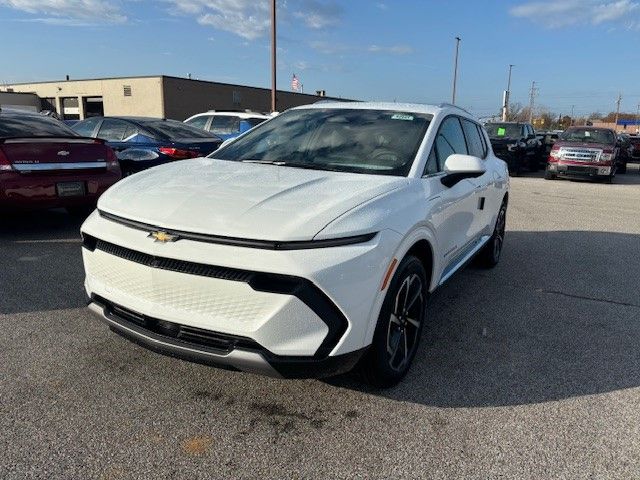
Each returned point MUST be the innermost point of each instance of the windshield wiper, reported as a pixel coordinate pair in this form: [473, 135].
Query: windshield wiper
[310, 166]
[264, 162]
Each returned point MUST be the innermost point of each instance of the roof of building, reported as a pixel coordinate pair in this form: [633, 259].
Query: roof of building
[185, 79]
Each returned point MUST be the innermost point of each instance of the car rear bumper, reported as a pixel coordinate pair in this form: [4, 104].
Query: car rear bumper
[36, 191]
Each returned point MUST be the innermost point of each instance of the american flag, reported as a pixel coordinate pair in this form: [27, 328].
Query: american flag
[295, 83]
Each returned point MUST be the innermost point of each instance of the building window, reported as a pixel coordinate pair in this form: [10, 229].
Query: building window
[237, 98]
[127, 90]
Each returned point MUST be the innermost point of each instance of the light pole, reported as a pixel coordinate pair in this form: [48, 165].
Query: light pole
[455, 71]
[273, 55]
[507, 95]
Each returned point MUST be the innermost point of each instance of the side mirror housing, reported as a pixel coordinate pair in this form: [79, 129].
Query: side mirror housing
[458, 167]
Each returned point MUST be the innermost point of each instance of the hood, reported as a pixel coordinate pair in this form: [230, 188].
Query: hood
[242, 200]
[503, 140]
[602, 146]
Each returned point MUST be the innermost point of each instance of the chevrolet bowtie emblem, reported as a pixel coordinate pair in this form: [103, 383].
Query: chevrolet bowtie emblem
[163, 237]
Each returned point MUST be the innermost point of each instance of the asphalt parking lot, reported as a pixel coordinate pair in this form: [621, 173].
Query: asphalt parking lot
[529, 370]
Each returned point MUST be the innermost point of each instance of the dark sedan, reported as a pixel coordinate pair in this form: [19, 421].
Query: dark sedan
[144, 142]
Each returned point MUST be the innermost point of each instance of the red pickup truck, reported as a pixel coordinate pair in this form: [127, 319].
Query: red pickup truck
[584, 152]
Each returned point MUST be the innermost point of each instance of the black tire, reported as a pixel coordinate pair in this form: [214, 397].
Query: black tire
[80, 212]
[534, 163]
[489, 256]
[398, 330]
[622, 168]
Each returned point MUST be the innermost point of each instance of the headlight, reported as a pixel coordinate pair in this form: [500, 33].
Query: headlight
[606, 157]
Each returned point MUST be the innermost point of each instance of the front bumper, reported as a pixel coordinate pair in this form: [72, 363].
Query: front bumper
[580, 170]
[305, 312]
[222, 351]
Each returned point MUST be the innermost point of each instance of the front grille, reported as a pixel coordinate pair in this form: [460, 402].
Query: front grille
[220, 342]
[580, 154]
[173, 265]
[584, 170]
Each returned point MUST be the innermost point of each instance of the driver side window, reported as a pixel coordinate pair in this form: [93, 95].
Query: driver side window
[449, 140]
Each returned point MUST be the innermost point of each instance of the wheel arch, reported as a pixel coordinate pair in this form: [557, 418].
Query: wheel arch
[423, 251]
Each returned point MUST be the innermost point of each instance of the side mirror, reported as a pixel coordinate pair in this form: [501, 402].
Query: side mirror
[458, 167]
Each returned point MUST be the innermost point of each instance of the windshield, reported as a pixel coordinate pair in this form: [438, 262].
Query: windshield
[361, 141]
[588, 135]
[174, 130]
[33, 126]
[507, 130]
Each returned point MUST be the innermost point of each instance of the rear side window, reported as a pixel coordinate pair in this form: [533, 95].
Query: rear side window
[225, 124]
[474, 143]
[255, 121]
[485, 147]
[32, 126]
[450, 140]
[112, 130]
[86, 127]
[174, 130]
[199, 122]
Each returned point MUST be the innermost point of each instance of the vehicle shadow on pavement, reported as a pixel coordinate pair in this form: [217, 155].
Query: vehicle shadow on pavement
[41, 263]
[558, 318]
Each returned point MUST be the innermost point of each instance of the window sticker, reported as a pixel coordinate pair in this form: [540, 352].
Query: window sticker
[587, 133]
[502, 132]
[402, 116]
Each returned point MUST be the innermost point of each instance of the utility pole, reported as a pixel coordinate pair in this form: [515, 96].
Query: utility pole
[572, 107]
[273, 55]
[618, 111]
[638, 116]
[506, 97]
[455, 71]
[532, 99]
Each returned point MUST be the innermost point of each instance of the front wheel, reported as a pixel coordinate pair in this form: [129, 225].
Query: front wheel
[489, 256]
[399, 327]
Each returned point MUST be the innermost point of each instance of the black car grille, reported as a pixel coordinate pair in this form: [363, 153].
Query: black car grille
[179, 266]
[220, 342]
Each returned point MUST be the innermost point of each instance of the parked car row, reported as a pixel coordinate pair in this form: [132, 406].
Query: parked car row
[578, 152]
[141, 142]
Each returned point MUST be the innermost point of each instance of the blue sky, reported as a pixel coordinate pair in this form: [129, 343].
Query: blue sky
[580, 52]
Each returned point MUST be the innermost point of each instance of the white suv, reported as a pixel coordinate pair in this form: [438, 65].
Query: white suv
[305, 247]
[226, 125]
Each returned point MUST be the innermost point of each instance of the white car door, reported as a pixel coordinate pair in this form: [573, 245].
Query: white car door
[452, 210]
[483, 184]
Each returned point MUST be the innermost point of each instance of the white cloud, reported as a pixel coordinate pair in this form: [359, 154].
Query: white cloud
[69, 12]
[562, 13]
[394, 49]
[332, 48]
[251, 19]
[317, 14]
[247, 18]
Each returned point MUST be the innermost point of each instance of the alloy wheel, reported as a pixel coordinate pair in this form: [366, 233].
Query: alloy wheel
[404, 325]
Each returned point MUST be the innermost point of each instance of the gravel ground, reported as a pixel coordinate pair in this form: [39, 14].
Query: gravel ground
[530, 370]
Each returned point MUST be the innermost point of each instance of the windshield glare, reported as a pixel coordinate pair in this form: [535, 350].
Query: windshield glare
[507, 130]
[350, 140]
[588, 135]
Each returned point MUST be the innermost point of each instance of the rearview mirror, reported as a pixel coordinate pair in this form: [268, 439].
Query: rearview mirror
[458, 167]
